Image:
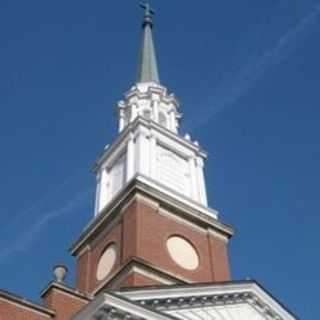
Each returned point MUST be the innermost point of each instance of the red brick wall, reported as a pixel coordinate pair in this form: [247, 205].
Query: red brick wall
[83, 271]
[219, 259]
[155, 229]
[142, 232]
[64, 304]
[130, 232]
[88, 261]
[15, 311]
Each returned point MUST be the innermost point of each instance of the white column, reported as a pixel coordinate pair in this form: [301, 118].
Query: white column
[153, 156]
[142, 154]
[121, 120]
[201, 181]
[176, 123]
[130, 158]
[98, 190]
[104, 189]
[155, 111]
[134, 112]
[173, 121]
[193, 179]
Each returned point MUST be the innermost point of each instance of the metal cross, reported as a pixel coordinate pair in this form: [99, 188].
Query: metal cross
[148, 12]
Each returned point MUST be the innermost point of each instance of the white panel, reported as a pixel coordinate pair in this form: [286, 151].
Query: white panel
[131, 159]
[103, 190]
[201, 181]
[98, 191]
[117, 175]
[142, 154]
[173, 170]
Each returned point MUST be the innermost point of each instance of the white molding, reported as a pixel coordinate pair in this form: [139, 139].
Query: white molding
[140, 185]
[175, 195]
[83, 250]
[107, 306]
[162, 303]
[151, 275]
[122, 272]
[218, 235]
[259, 298]
[72, 294]
[145, 273]
[140, 141]
[149, 202]
[152, 126]
[181, 220]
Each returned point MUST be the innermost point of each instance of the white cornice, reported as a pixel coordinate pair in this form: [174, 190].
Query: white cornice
[183, 200]
[151, 89]
[178, 204]
[214, 294]
[162, 275]
[108, 306]
[65, 290]
[139, 270]
[162, 303]
[149, 125]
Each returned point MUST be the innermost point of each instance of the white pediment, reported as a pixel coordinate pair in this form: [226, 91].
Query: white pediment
[227, 301]
[244, 300]
[227, 312]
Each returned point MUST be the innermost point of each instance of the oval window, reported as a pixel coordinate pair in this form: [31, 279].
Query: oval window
[183, 253]
[107, 262]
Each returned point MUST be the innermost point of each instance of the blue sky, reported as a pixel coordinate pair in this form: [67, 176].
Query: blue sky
[247, 75]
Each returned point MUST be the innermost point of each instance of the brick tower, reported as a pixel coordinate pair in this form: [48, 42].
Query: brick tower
[152, 223]
[154, 249]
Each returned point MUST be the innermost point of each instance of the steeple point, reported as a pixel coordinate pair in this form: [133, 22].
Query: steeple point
[148, 67]
[148, 14]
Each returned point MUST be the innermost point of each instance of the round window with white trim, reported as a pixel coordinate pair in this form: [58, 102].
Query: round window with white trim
[183, 253]
[107, 262]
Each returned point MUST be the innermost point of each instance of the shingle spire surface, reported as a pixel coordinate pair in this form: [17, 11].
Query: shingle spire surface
[148, 67]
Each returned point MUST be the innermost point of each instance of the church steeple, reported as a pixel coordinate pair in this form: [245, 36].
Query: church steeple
[152, 222]
[148, 67]
[149, 129]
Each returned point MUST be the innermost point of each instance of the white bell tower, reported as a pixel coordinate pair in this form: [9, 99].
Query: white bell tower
[149, 148]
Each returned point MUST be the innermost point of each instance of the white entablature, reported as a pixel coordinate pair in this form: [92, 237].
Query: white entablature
[145, 149]
[224, 301]
[151, 101]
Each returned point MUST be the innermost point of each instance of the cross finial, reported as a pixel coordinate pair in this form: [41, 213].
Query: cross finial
[148, 13]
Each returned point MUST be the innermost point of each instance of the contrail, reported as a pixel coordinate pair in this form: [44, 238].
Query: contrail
[27, 238]
[36, 205]
[229, 93]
